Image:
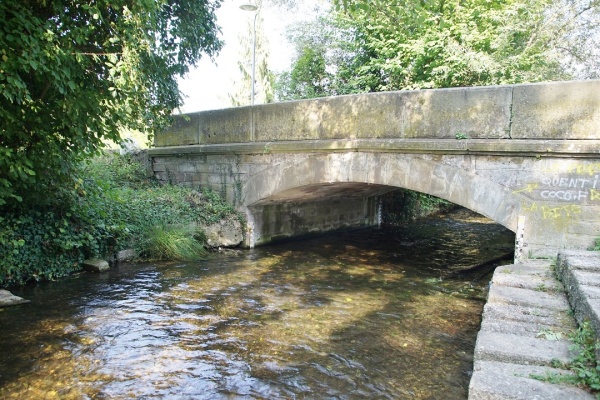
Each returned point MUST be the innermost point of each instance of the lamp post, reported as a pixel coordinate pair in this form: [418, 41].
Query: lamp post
[252, 8]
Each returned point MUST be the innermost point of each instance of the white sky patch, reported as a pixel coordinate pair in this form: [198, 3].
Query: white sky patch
[207, 86]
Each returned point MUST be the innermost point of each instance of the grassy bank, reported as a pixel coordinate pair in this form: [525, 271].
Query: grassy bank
[113, 205]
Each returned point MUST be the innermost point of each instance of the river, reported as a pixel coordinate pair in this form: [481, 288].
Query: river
[365, 314]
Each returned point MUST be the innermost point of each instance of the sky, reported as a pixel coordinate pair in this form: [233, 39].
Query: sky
[206, 86]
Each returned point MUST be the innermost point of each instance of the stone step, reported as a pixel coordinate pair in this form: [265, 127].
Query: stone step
[494, 380]
[524, 330]
[579, 272]
[532, 328]
[504, 313]
[527, 297]
[579, 260]
[532, 282]
[532, 267]
[521, 349]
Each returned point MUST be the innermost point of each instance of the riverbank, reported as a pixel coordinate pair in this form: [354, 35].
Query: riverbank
[530, 345]
[114, 204]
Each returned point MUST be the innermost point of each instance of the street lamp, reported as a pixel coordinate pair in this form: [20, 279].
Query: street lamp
[252, 8]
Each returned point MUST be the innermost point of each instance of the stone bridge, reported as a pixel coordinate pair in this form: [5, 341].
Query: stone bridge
[526, 156]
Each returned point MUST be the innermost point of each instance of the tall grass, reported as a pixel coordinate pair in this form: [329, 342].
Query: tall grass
[171, 242]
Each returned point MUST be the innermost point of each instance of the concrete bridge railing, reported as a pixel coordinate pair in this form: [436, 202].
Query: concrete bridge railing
[552, 111]
[527, 156]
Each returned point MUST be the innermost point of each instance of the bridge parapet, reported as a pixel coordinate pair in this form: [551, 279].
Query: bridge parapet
[551, 111]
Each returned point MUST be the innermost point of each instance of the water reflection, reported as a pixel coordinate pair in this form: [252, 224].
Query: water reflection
[365, 314]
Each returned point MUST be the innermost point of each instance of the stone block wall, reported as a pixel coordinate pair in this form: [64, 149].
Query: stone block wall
[221, 173]
[292, 219]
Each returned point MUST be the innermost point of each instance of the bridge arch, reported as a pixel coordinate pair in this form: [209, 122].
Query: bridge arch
[311, 177]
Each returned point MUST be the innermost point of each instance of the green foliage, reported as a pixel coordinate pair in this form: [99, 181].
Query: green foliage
[596, 245]
[119, 193]
[112, 171]
[404, 205]
[585, 364]
[116, 206]
[308, 78]
[455, 43]
[382, 45]
[325, 63]
[549, 334]
[45, 245]
[75, 74]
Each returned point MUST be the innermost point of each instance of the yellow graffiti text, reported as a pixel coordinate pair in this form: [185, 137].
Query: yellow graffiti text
[534, 207]
[589, 169]
[527, 189]
[561, 212]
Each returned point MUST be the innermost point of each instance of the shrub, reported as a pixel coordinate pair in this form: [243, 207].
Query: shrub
[45, 246]
[114, 206]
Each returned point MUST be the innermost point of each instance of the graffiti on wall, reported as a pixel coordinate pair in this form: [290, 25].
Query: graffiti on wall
[561, 192]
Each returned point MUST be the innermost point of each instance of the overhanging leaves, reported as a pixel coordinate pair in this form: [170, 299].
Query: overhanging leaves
[73, 75]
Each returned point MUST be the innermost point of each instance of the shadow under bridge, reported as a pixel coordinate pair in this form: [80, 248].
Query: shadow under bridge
[316, 208]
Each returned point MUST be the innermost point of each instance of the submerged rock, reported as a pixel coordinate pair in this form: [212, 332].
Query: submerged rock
[95, 265]
[9, 299]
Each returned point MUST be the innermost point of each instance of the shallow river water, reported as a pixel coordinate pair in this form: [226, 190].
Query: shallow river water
[366, 314]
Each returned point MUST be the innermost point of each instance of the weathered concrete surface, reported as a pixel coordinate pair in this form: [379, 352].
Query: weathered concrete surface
[525, 325]
[502, 381]
[532, 162]
[8, 299]
[315, 209]
[558, 110]
[95, 265]
[554, 198]
[580, 273]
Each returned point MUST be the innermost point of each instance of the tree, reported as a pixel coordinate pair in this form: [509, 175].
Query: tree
[408, 44]
[75, 74]
[324, 52]
[308, 77]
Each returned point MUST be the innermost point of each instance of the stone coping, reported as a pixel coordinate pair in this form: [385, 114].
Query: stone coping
[579, 272]
[523, 147]
[547, 110]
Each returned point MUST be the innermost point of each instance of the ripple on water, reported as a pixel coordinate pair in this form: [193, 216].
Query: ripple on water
[356, 315]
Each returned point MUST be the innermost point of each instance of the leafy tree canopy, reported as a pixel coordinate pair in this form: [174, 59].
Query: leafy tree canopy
[73, 74]
[405, 44]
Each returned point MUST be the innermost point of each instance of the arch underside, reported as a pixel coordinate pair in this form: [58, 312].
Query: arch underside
[343, 180]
